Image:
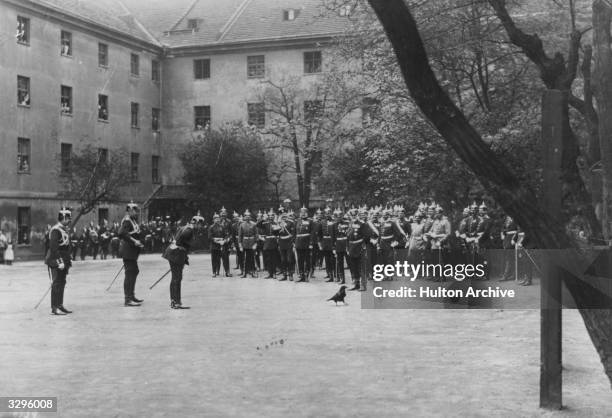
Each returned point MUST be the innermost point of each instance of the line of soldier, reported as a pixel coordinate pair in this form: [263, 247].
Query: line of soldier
[292, 244]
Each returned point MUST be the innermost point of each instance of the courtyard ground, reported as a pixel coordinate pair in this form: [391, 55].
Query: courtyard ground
[262, 348]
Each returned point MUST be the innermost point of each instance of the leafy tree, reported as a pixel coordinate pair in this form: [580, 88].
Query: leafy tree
[226, 167]
[516, 197]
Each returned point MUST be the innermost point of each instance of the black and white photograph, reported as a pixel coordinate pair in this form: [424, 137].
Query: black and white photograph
[305, 208]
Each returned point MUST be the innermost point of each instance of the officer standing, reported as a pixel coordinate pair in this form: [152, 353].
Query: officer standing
[304, 238]
[58, 260]
[219, 236]
[177, 255]
[247, 239]
[270, 231]
[285, 246]
[509, 235]
[326, 244]
[339, 238]
[129, 250]
[358, 233]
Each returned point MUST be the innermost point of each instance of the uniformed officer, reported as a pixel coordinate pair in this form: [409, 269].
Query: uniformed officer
[270, 231]
[509, 236]
[358, 233]
[177, 254]
[438, 236]
[315, 254]
[285, 246]
[525, 263]
[219, 236]
[391, 236]
[236, 221]
[483, 235]
[58, 260]
[340, 245]
[129, 250]
[247, 239]
[326, 244]
[304, 239]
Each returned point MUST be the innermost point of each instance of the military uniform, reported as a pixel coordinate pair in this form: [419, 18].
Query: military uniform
[58, 261]
[219, 235]
[391, 235]
[248, 237]
[304, 239]
[509, 235]
[358, 234]
[340, 245]
[438, 238]
[239, 252]
[129, 250]
[285, 247]
[326, 245]
[270, 232]
[177, 254]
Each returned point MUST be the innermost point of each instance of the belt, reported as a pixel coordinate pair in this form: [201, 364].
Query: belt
[357, 241]
[286, 237]
[387, 237]
[303, 235]
[270, 236]
[341, 239]
[326, 236]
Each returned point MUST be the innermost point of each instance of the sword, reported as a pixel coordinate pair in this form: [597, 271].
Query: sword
[160, 279]
[533, 261]
[515, 263]
[116, 275]
[47, 292]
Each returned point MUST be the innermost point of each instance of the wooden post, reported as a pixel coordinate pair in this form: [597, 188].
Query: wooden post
[550, 296]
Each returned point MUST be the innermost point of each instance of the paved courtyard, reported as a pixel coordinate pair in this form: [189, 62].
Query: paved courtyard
[262, 348]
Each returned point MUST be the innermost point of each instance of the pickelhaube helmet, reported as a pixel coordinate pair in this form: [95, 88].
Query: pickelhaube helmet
[235, 214]
[483, 206]
[223, 211]
[64, 213]
[247, 213]
[131, 205]
[215, 215]
[197, 219]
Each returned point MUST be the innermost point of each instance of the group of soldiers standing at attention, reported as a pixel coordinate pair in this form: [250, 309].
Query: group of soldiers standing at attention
[294, 244]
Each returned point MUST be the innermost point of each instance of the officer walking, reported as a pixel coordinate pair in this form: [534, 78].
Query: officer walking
[58, 260]
[129, 250]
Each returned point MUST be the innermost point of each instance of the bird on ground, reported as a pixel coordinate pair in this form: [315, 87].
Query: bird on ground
[339, 296]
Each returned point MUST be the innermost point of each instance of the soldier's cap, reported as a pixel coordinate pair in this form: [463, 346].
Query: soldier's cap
[216, 215]
[131, 205]
[64, 213]
[197, 219]
[483, 206]
[247, 213]
[287, 201]
[235, 215]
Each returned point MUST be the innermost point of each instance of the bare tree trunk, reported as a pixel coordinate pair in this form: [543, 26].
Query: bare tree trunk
[515, 198]
[602, 15]
[298, 167]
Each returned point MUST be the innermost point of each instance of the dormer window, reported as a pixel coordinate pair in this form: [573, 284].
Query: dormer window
[290, 14]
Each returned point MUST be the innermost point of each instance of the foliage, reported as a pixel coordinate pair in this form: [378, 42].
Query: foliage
[226, 167]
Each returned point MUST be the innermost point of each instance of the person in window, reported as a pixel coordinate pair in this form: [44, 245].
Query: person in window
[59, 261]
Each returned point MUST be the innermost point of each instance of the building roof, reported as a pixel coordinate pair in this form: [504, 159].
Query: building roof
[110, 14]
[167, 22]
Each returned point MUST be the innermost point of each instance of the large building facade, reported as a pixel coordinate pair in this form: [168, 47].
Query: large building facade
[143, 76]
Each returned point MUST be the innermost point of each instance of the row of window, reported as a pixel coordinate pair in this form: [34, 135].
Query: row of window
[66, 104]
[256, 65]
[24, 160]
[66, 49]
[256, 114]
